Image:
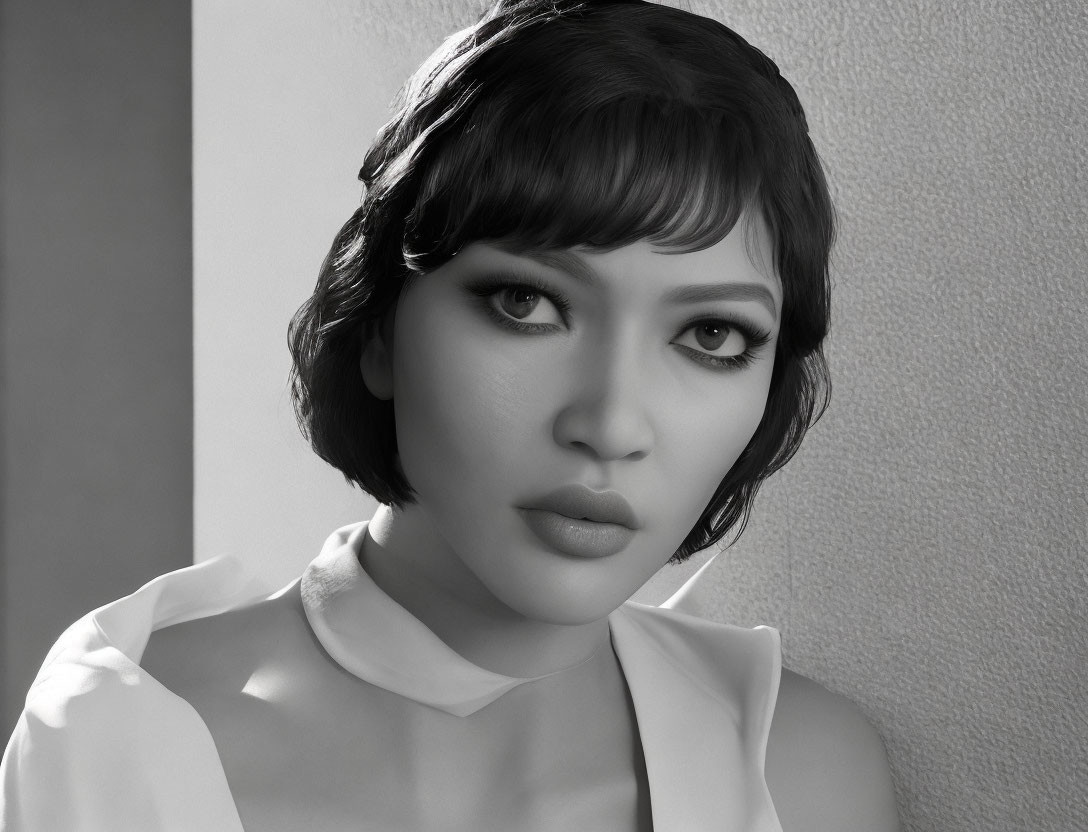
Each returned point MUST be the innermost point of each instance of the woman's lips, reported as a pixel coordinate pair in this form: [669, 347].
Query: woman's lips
[581, 538]
[577, 520]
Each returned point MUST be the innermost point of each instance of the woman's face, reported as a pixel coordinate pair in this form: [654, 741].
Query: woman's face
[526, 384]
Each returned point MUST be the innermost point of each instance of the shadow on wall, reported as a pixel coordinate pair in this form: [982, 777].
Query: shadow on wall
[96, 313]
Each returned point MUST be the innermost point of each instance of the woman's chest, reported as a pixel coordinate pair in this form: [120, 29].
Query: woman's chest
[465, 795]
[383, 762]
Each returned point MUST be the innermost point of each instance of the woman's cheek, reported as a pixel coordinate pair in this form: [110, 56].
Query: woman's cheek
[460, 405]
[713, 433]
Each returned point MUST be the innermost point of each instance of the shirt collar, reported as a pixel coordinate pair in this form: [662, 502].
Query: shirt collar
[375, 638]
[690, 680]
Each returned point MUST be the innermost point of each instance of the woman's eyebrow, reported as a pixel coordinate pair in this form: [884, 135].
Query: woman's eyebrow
[724, 291]
[563, 261]
[580, 270]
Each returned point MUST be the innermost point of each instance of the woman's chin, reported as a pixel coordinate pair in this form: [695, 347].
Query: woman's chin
[566, 595]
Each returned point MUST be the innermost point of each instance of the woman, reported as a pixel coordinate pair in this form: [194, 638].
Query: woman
[574, 324]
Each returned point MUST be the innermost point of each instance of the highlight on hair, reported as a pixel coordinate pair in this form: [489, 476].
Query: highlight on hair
[559, 124]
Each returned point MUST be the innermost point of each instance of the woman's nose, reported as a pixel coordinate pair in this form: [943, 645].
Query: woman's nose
[605, 414]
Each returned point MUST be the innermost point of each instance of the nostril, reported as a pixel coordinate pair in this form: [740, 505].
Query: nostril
[608, 454]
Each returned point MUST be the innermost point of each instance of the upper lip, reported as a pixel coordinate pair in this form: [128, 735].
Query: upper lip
[582, 503]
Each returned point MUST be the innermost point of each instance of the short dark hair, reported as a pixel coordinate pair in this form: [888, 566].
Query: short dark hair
[553, 124]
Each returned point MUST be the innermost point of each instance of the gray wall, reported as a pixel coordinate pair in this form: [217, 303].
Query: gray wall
[927, 553]
[95, 312]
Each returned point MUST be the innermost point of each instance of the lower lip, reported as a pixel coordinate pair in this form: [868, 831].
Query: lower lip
[581, 538]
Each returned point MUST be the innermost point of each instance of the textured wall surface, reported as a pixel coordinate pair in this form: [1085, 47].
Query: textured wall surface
[925, 553]
[95, 313]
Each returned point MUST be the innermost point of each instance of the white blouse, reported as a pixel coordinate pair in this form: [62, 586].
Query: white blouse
[101, 745]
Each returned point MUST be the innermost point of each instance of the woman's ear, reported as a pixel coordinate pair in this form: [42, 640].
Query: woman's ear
[376, 358]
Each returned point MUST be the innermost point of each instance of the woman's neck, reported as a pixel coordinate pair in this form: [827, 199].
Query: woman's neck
[406, 557]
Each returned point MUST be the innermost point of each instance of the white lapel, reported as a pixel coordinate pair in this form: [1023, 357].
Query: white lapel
[704, 695]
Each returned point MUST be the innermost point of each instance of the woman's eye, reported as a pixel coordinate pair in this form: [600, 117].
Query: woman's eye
[526, 306]
[714, 339]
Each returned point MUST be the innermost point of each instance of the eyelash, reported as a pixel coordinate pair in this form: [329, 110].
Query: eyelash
[486, 288]
[755, 337]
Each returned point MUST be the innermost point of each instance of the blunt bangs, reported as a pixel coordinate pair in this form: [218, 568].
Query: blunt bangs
[618, 172]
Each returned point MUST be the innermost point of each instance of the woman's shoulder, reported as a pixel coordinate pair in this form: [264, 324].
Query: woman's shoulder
[826, 766]
[95, 665]
[93, 715]
[214, 658]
